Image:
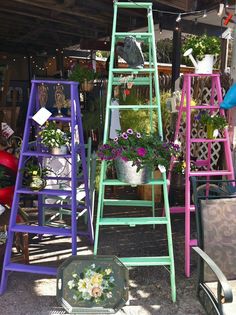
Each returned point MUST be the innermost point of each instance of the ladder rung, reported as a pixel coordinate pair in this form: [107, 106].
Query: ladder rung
[49, 192]
[40, 230]
[120, 202]
[137, 107]
[121, 35]
[65, 119]
[33, 269]
[203, 140]
[146, 261]
[133, 5]
[135, 71]
[133, 221]
[201, 162]
[45, 154]
[116, 182]
[211, 173]
[181, 209]
[205, 107]
[136, 81]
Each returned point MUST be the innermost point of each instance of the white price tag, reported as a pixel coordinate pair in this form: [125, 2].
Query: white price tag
[42, 116]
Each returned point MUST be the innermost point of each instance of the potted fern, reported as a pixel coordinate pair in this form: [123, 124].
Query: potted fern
[85, 76]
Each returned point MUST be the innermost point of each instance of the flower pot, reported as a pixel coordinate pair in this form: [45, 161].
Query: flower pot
[87, 86]
[37, 183]
[128, 174]
[58, 151]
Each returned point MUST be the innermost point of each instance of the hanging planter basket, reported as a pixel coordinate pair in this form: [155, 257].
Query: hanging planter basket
[128, 174]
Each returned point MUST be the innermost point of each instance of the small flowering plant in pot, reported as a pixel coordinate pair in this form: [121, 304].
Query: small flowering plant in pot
[136, 155]
[54, 138]
[214, 123]
[34, 175]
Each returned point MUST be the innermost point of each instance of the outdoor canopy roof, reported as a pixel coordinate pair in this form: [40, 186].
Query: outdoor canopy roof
[43, 25]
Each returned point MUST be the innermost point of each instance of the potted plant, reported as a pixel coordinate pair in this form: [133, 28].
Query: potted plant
[34, 175]
[54, 138]
[204, 48]
[213, 122]
[84, 75]
[136, 155]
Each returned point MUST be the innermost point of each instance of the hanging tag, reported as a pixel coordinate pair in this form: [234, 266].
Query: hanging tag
[42, 116]
[162, 168]
[7, 132]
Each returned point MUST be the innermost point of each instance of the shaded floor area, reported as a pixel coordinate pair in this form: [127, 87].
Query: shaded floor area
[149, 287]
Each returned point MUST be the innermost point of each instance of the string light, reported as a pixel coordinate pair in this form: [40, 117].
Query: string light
[204, 14]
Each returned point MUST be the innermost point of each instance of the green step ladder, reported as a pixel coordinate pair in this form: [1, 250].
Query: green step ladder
[141, 77]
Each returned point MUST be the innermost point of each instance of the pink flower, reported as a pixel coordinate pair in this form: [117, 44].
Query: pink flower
[141, 151]
[130, 131]
[138, 135]
[116, 139]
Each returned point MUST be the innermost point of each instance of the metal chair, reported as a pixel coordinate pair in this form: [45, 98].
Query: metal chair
[215, 203]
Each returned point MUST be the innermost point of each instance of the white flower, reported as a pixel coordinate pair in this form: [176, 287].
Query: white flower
[93, 266]
[177, 142]
[109, 295]
[84, 285]
[71, 284]
[108, 271]
[74, 275]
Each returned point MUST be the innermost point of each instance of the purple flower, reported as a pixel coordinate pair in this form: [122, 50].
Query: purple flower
[130, 131]
[115, 139]
[124, 136]
[138, 135]
[124, 158]
[141, 151]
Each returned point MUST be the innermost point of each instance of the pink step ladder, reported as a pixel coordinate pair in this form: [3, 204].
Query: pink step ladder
[228, 172]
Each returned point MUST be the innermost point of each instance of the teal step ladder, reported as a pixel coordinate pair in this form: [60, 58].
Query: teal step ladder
[141, 77]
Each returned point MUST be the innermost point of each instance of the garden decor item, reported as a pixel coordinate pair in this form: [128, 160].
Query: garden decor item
[85, 76]
[143, 153]
[131, 52]
[92, 284]
[54, 138]
[33, 174]
[205, 49]
[213, 122]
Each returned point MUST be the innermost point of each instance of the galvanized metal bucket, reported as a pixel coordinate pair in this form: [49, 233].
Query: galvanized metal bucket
[128, 174]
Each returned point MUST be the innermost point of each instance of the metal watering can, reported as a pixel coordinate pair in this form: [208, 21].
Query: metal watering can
[204, 66]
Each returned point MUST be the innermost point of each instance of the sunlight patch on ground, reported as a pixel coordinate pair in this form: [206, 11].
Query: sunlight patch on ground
[45, 287]
[143, 294]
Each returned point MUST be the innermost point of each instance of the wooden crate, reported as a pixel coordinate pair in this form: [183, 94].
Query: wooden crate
[145, 191]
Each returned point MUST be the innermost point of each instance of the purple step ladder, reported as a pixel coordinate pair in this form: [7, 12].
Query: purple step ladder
[77, 150]
[228, 172]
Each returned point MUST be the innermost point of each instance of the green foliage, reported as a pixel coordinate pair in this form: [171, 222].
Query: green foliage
[164, 50]
[81, 73]
[202, 45]
[217, 121]
[6, 177]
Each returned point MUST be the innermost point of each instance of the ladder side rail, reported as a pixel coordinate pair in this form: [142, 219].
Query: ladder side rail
[40, 159]
[110, 76]
[15, 203]
[73, 179]
[227, 146]
[169, 239]
[187, 175]
[78, 119]
[156, 80]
